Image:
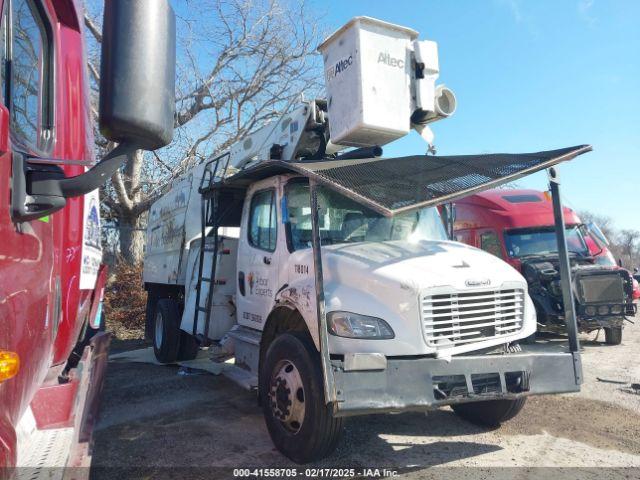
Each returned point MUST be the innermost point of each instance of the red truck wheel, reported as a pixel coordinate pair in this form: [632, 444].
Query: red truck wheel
[613, 335]
[489, 413]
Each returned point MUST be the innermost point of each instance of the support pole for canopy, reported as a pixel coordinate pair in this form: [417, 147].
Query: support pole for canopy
[323, 340]
[565, 273]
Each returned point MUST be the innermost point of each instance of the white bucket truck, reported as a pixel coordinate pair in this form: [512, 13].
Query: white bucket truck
[329, 277]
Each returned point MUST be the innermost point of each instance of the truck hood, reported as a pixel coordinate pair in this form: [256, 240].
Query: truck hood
[416, 265]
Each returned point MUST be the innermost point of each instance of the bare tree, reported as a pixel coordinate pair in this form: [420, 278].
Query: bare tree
[629, 241]
[240, 63]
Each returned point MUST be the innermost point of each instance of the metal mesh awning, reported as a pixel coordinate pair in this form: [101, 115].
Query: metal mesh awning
[395, 185]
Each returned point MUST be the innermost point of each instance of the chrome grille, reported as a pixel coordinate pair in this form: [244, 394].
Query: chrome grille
[459, 318]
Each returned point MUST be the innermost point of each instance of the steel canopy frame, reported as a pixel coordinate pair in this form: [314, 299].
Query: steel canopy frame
[391, 186]
[446, 179]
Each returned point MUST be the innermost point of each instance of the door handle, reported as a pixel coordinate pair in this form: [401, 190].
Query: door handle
[241, 283]
[266, 260]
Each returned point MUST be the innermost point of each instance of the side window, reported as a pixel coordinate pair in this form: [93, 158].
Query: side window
[29, 74]
[489, 243]
[262, 221]
[4, 53]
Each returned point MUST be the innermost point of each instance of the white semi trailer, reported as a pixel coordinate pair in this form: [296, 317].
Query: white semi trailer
[329, 277]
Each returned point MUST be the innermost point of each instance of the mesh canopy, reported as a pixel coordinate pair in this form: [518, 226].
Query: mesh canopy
[395, 185]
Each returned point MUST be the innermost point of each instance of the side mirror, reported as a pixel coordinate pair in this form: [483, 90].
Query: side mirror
[137, 72]
[137, 103]
[594, 231]
[449, 219]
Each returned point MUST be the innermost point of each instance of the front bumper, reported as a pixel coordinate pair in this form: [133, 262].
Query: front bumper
[422, 383]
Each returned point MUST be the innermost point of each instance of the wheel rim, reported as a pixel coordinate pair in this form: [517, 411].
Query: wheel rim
[159, 331]
[287, 396]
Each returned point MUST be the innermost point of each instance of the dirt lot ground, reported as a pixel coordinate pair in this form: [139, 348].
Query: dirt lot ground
[155, 423]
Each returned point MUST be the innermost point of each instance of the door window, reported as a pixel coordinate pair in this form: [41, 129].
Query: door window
[29, 74]
[490, 243]
[4, 54]
[262, 221]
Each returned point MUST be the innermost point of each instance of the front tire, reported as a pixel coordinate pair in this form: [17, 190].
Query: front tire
[489, 413]
[613, 336]
[301, 425]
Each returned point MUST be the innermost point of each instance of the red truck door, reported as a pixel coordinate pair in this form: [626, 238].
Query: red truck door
[29, 279]
[489, 241]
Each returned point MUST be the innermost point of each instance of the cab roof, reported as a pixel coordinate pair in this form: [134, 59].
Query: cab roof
[510, 208]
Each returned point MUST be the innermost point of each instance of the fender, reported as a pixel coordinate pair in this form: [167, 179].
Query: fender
[300, 296]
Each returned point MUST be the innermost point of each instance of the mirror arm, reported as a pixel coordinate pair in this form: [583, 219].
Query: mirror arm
[96, 176]
[39, 190]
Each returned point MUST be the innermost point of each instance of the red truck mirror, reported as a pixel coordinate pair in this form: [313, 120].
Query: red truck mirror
[137, 72]
[137, 104]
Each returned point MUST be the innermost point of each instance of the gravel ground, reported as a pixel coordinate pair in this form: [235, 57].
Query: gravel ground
[155, 423]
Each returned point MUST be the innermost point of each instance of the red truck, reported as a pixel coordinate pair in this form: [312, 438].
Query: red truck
[51, 279]
[518, 226]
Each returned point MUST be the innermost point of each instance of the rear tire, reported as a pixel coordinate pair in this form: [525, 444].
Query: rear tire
[613, 336]
[301, 425]
[489, 413]
[166, 330]
[189, 346]
[150, 314]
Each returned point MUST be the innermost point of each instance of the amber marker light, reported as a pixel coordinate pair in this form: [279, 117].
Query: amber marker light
[9, 365]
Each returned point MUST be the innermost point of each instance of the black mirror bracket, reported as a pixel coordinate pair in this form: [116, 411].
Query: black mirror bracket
[40, 189]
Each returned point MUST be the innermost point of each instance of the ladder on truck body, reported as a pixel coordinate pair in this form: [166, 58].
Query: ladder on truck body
[215, 170]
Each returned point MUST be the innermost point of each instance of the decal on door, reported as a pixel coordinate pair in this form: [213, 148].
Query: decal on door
[259, 285]
[91, 244]
[252, 317]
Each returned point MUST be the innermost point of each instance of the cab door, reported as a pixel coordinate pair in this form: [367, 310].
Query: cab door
[258, 257]
[30, 292]
[489, 241]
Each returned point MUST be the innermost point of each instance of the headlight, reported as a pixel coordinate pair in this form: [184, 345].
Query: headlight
[590, 310]
[603, 310]
[353, 325]
[616, 309]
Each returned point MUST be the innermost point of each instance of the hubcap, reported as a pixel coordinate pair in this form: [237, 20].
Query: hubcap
[287, 396]
[158, 329]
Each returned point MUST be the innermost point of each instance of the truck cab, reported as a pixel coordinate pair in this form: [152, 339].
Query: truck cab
[380, 274]
[518, 226]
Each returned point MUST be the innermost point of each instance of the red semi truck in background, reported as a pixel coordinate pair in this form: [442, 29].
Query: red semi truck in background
[518, 226]
[51, 278]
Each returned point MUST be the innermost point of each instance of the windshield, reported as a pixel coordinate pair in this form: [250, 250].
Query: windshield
[541, 241]
[343, 220]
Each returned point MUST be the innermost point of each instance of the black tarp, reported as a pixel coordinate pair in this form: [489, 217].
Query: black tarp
[394, 185]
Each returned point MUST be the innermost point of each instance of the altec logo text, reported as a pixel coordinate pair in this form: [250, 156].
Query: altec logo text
[387, 59]
[340, 67]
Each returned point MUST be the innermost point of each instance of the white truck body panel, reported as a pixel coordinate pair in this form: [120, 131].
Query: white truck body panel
[174, 222]
[222, 308]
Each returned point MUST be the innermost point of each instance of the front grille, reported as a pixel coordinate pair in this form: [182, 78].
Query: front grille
[459, 318]
[601, 288]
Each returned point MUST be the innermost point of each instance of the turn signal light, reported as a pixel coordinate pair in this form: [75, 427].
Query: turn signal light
[9, 365]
